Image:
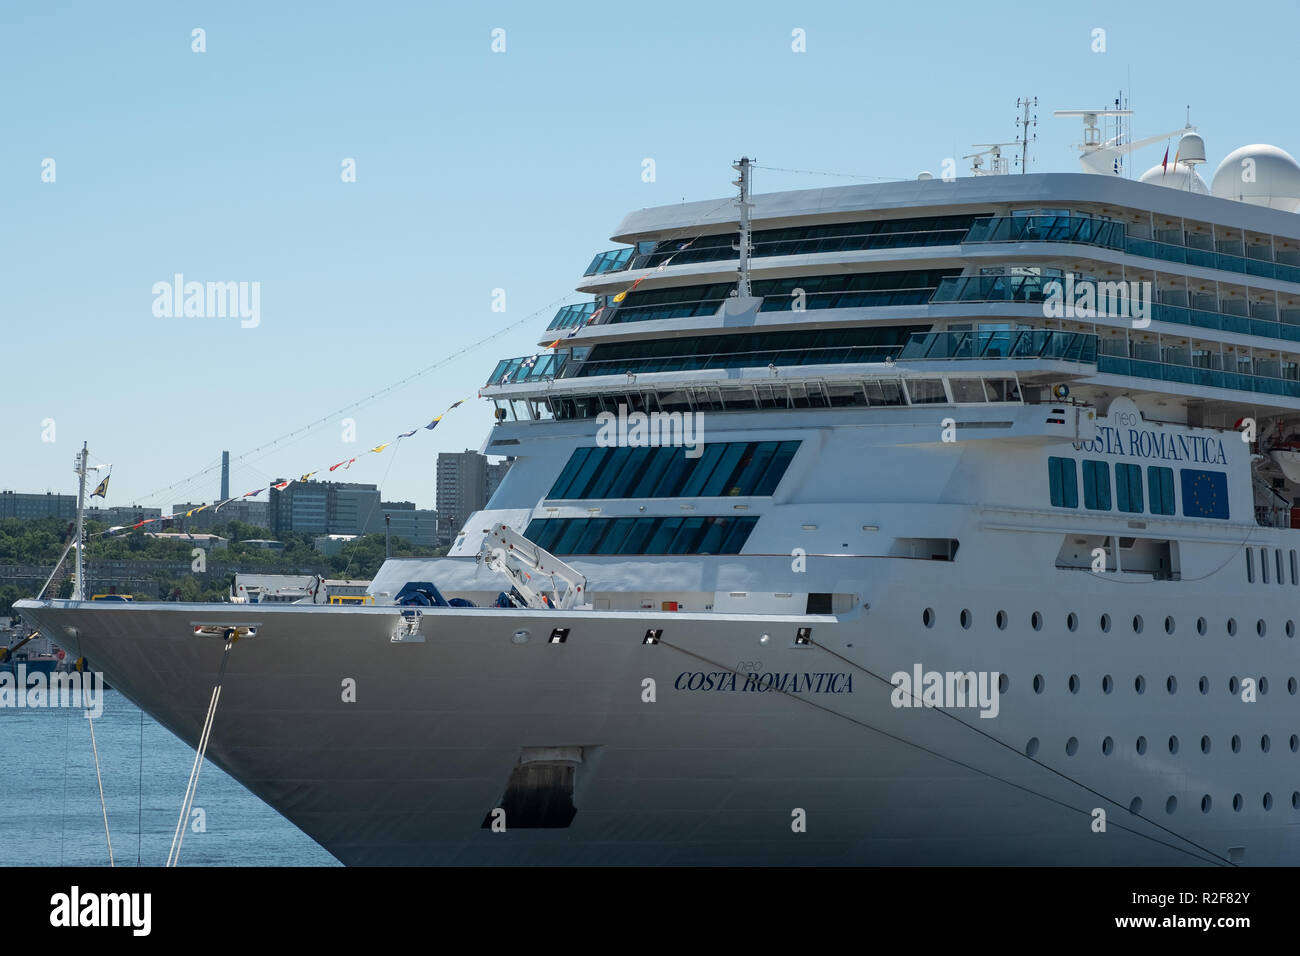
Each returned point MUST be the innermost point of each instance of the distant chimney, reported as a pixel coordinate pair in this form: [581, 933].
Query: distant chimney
[225, 475]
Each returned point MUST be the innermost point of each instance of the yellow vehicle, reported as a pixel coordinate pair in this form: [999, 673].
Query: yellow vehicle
[112, 597]
[351, 599]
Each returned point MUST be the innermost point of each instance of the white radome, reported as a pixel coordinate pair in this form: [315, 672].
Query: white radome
[1261, 175]
[1177, 176]
[1191, 148]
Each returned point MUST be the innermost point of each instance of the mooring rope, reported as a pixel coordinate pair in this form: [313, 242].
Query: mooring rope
[102, 805]
[174, 854]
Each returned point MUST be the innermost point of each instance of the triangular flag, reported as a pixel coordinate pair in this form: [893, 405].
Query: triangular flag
[1164, 163]
[378, 448]
[304, 478]
[251, 494]
[282, 485]
[434, 424]
[408, 434]
[101, 490]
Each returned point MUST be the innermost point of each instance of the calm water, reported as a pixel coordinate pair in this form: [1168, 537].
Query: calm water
[49, 803]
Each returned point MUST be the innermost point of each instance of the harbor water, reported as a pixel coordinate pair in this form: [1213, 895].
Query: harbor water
[50, 813]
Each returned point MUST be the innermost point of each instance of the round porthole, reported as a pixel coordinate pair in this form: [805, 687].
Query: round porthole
[1072, 621]
[1004, 682]
[1074, 683]
[1206, 803]
[1204, 684]
[1141, 745]
[1265, 744]
[1232, 627]
[1171, 684]
[1036, 621]
[1169, 625]
[1072, 746]
[1171, 804]
[1173, 745]
[965, 619]
[1002, 620]
[927, 617]
[1031, 748]
[1107, 745]
[1105, 623]
[1200, 626]
[1205, 745]
[1137, 623]
[1260, 627]
[1038, 683]
[1236, 744]
[1140, 684]
[1268, 801]
[1135, 805]
[1107, 684]
[1237, 802]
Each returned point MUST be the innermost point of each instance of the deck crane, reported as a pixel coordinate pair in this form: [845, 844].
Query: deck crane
[526, 565]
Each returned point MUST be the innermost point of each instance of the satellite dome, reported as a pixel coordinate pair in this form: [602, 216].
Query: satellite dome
[1176, 176]
[925, 175]
[1191, 148]
[1260, 175]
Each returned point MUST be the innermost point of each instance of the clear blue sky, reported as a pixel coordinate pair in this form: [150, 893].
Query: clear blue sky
[475, 171]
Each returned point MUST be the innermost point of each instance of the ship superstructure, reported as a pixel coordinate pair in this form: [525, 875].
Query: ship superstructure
[1037, 431]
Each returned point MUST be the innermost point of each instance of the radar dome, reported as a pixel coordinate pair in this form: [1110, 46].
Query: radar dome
[1260, 175]
[1179, 176]
[925, 176]
[1191, 148]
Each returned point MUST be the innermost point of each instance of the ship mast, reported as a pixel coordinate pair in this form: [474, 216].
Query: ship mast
[745, 245]
[1026, 123]
[79, 466]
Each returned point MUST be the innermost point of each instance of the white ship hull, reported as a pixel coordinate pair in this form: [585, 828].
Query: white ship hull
[408, 773]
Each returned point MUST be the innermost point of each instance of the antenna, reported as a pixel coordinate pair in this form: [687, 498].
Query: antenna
[1025, 123]
[745, 246]
[997, 162]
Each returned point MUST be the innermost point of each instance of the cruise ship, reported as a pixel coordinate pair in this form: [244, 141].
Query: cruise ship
[940, 521]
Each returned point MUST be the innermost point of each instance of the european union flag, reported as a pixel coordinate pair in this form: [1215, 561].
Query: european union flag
[1205, 494]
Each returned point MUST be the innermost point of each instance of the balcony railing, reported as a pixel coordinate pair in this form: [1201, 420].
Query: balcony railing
[528, 368]
[1089, 230]
[1085, 229]
[615, 260]
[1194, 375]
[1024, 344]
[571, 315]
[1035, 289]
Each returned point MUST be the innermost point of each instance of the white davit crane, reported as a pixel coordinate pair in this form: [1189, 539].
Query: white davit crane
[508, 552]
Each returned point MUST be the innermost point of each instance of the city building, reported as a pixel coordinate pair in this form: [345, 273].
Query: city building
[323, 507]
[416, 525]
[496, 473]
[16, 504]
[466, 481]
[331, 544]
[121, 515]
[205, 541]
[255, 513]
